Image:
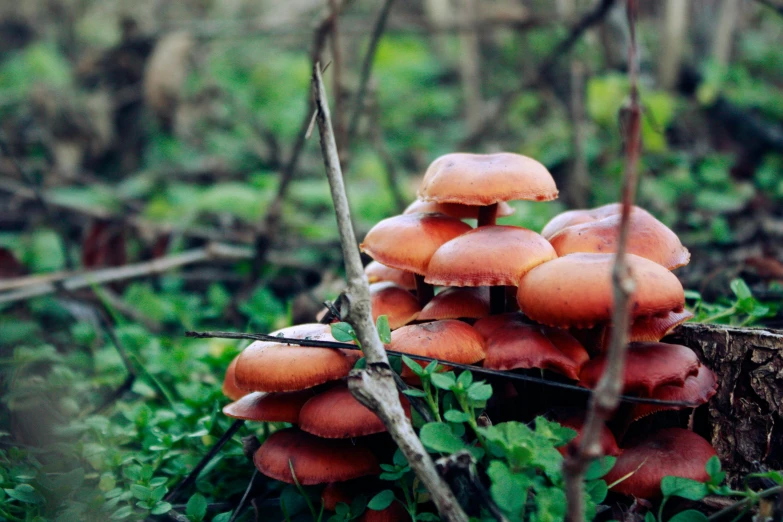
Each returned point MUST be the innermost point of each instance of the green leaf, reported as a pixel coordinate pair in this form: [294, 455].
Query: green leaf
[413, 392]
[396, 364]
[508, 490]
[196, 509]
[413, 365]
[597, 490]
[550, 504]
[427, 517]
[24, 493]
[649, 517]
[554, 432]
[741, 289]
[465, 379]
[384, 330]
[343, 332]
[122, 513]
[480, 392]
[456, 416]
[381, 501]
[444, 381]
[437, 436]
[431, 368]
[690, 515]
[140, 492]
[600, 467]
[161, 508]
[683, 487]
[713, 466]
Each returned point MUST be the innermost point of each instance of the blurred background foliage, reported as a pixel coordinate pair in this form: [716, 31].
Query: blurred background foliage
[145, 130]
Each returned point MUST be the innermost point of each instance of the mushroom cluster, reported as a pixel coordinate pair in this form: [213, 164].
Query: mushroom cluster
[502, 296]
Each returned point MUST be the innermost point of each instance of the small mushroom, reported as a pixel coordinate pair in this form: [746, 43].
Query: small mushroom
[696, 390]
[378, 273]
[397, 304]
[456, 210]
[457, 303]
[230, 388]
[269, 407]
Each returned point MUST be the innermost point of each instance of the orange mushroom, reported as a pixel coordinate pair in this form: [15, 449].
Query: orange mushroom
[230, 388]
[397, 304]
[457, 303]
[378, 273]
[696, 390]
[456, 210]
[269, 407]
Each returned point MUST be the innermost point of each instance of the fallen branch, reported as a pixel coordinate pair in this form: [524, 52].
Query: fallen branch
[374, 387]
[606, 397]
[70, 282]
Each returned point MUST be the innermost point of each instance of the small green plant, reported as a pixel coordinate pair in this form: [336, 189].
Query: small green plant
[743, 311]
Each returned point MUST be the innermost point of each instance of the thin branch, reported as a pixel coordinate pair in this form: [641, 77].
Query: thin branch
[744, 502]
[313, 343]
[374, 387]
[193, 475]
[605, 400]
[543, 73]
[238, 509]
[214, 251]
[369, 58]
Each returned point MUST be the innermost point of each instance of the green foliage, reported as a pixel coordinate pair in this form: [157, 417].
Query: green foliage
[743, 311]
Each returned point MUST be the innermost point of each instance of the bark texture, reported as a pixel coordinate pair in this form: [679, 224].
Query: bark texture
[746, 415]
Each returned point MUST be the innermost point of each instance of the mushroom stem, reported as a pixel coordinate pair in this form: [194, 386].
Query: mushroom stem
[424, 291]
[487, 215]
[497, 299]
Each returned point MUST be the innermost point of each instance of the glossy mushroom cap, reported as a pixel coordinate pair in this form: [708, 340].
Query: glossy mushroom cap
[269, 407]
[647, 367]
[647, 237]
[457, 303]
[518, 345]
[485, 179]
[654, 328]
[697, 390]
[336, 414]
[230, 388]
[608, 443]
[488, 256]
[378, 273]
[407, 242]
[397, 304]
[456, 210]
[576, 217]
[315, 460]
[576, 290]
[486, 325]
[670, 452]
[448, 340]
[277, 367]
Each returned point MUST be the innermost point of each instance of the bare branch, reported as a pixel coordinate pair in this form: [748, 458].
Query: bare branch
[606, 397]
[374, 387]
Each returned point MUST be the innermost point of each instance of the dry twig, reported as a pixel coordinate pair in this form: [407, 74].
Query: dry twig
[374, 387]
[606, 397]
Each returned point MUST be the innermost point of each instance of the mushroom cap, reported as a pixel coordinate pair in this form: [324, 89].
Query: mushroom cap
[576, 217]
[456, 210]
[278, 367]
[655, 328]
[230, 388]
[486, 325]
[336, 492]
[447, 340]
[456, 303]
[336, 414]
[647, 367]
[576, 290]
[377, 273]
[484, 179]
[608, 442]
[568, 344]
[488, 256]
[315, 460]
[669, 452]
[269, 407]
[518, 345]
[396, 512]
[407, 242]
[397, 304]
[697, 390]
[647, 237]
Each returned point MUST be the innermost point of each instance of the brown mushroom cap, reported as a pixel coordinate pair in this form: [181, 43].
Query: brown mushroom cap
[608, 442]
[576, 290]
[336, 492]
[456, 303]
[696, 390]
[277, 367]
[568, 344]
[397, 304]
[396, 512]
[670, 452]
[576, 217]
[654, 328]
[518, 345]
[315, 460]
[230, 388]
[647, 237]
[647, 367]
[377, 273]
[336, 414]
[456, 210]
[486, 325]
[407, 242]
[269, 407]
[485, 179]
[488, 256]
[447, 340]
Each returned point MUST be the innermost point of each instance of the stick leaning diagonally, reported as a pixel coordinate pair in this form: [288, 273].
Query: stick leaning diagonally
[374, 387]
